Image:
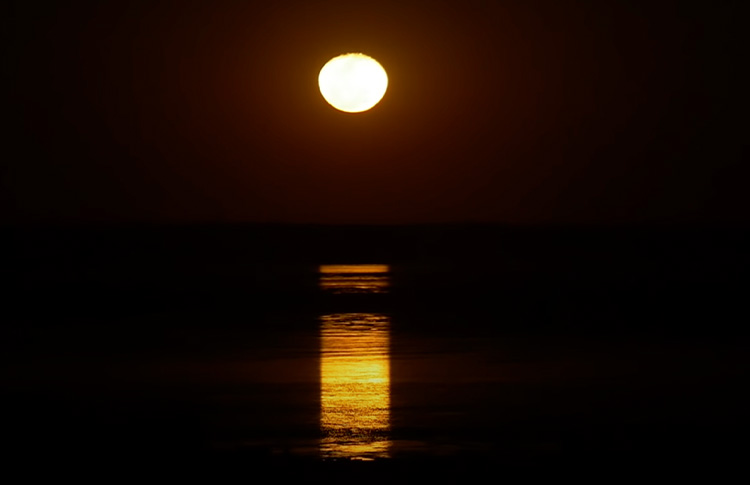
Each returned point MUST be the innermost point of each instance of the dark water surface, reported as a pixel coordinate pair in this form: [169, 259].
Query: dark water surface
[479, 346]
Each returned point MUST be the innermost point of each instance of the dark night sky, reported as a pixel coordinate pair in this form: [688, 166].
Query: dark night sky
[512, 112]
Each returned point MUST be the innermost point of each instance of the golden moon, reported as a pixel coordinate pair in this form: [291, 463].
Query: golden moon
[353, 82]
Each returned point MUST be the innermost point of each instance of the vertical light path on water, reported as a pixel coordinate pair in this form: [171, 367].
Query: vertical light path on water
[355, 418]
[355, 386]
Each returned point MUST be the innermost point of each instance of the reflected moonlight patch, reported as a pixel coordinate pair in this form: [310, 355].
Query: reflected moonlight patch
[355, 386]
[354, 278]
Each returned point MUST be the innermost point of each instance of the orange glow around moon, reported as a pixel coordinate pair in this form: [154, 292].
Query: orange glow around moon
[353, 82]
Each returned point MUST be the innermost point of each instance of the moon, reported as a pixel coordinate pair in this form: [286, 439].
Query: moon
[352, 82]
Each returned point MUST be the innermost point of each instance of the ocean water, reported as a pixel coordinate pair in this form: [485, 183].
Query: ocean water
[520, 358]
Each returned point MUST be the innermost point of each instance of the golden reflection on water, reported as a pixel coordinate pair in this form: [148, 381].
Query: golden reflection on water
[354, 268]
[355, 416]
[354, 278]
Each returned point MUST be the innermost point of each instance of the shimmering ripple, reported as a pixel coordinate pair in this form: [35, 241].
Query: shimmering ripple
[355, 386]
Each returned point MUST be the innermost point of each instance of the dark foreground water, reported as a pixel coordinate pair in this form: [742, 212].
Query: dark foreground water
[429, 349]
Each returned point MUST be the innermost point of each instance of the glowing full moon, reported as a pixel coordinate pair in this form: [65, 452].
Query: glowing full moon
[353, 82]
